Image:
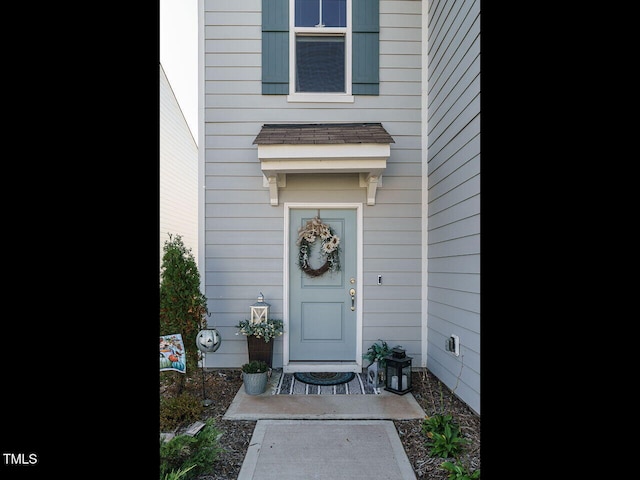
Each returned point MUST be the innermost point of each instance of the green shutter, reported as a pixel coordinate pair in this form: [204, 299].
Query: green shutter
[366, 47]
[275, 47]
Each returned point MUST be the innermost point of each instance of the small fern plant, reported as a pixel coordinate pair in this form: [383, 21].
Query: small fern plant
[459, 472]
[377, 351]
[443, 436]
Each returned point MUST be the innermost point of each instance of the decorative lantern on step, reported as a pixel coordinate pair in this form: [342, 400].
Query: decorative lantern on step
[398, 372]
[258, 348]
[259, 310]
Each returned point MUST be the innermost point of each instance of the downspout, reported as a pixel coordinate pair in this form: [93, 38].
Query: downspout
[425, 182]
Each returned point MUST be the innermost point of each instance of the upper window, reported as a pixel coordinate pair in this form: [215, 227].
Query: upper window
[320, 60]
[320, 50]
[321, 13]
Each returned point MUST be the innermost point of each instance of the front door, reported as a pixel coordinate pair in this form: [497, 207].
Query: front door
[322, 300]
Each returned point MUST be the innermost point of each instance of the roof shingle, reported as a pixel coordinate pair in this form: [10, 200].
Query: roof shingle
[322, 133]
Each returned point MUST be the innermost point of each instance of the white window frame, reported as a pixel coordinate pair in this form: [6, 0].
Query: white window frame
[330, 97]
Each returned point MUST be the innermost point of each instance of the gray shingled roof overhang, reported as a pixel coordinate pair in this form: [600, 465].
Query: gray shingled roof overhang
[322, 133]
[361, 148]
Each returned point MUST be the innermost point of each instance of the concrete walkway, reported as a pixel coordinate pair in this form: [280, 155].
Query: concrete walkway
[324, 437]
[325, 450]
[386, 406]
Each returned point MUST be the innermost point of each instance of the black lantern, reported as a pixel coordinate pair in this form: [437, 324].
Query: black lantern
[398, 373]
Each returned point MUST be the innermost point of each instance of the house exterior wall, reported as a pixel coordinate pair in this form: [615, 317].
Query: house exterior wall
[243, 235]
[178, 173]
[453, 194]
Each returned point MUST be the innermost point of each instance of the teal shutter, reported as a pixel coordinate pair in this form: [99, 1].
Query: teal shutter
[366, 47]
[275, 47]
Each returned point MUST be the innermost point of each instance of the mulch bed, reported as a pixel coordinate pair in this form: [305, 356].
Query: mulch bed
[221, 386]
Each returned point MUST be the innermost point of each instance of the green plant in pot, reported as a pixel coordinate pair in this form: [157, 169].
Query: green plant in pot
[260, 336]
[376, 354]
[378, 351]
[255, 375]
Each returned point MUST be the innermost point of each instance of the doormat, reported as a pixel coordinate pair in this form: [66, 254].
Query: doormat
[324, 378]
[288, 384]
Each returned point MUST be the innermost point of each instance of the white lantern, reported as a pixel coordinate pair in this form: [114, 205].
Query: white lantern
[259, 310]
[208, 340]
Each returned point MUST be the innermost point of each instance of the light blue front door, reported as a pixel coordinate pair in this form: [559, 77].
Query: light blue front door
[322, 311]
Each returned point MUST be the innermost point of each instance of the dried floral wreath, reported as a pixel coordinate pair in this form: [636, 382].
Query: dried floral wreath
[330, 248]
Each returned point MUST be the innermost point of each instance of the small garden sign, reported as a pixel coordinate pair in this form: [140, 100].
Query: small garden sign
[172, 353]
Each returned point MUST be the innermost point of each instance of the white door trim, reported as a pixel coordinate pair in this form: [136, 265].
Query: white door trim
[356, 365]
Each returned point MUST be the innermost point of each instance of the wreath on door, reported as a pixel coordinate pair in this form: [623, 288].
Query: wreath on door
[330, 248]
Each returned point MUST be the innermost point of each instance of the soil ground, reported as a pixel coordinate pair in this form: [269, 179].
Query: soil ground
[434, 397]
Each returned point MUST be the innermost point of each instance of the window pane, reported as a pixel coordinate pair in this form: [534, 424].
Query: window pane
[307, 13]
[320, 64]
[334, 13]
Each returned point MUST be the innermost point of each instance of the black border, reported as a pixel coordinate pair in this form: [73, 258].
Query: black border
[81, 244]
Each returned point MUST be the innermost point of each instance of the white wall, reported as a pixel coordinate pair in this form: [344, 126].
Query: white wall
[178, 173]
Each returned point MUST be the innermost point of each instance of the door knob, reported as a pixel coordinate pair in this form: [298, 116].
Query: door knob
[352, 292]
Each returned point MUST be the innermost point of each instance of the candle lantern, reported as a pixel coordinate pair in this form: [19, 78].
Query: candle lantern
[259, 310]
[398, 372]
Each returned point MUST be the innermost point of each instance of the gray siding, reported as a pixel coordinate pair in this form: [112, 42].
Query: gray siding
[178, 173]
[453, 198]
[244, 234]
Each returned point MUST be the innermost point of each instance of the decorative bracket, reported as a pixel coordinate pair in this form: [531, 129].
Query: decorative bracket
[274, 181]
[371, 182]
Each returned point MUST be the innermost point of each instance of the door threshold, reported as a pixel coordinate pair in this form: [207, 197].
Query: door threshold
[293, 367]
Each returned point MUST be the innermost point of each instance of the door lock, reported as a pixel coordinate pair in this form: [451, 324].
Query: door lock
[352, 292]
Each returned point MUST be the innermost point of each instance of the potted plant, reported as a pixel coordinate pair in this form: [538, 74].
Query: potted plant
[260, 337]
[376, 354]
[255, 375]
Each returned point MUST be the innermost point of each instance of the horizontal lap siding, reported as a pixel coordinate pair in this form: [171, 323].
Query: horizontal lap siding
[244, 233]
[453, 198]
[178, 173]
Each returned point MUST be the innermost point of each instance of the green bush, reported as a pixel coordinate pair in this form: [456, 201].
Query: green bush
[183, 409]
[182, 305]
[190, 456]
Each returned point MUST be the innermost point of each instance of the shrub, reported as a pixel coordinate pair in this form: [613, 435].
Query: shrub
[183, 409]
[182, 305]
[189, 455]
